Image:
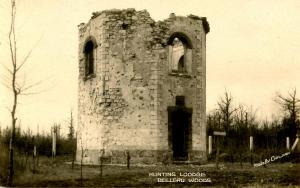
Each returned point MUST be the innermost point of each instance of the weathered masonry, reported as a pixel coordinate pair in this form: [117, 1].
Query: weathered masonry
[142, 88]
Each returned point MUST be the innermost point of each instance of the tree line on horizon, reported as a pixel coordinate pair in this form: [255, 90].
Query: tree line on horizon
[240, 122]
[25, 142]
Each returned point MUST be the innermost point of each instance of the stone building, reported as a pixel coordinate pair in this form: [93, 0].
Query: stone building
[142, 87]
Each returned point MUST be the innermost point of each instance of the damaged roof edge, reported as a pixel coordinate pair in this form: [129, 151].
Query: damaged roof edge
[111, 11]
[204, 22]
[205, 25]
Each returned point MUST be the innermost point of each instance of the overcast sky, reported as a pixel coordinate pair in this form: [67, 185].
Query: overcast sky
[252, 51]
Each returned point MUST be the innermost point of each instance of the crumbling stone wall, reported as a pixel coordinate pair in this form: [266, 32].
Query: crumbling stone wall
[123, 105]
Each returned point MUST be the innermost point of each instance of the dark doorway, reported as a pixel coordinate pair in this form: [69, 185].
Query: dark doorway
[180, 130]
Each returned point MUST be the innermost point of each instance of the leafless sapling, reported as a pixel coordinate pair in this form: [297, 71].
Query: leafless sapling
[16, 85]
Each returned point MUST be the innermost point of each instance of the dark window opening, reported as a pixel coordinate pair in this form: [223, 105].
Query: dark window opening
[124, 26]
[89, 58]
[180, 101]
[181, 66]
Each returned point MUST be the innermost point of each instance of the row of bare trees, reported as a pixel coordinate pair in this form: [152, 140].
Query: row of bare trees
[240, 122]
[290, 105]
[28, 147]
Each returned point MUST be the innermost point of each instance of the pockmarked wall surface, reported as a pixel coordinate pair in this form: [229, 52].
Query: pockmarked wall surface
[141, 88]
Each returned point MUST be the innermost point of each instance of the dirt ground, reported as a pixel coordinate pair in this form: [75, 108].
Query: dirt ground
[58, 173]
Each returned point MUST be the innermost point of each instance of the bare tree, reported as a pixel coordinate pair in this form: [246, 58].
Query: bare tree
[14, 84]
[15, 89]
[226, 109]
[245, 117]
[71, 138]
[241, 117]
[290, 105]
[71, 127]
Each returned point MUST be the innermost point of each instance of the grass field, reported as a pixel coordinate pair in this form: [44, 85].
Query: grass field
[58, 173]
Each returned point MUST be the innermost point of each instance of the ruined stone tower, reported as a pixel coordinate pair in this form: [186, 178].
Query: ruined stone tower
[142, 87]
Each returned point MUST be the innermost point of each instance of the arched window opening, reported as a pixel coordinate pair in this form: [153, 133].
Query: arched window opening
[180, 54]
[89, 58]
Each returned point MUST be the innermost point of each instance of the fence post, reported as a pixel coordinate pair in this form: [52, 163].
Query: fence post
[54, 143]
[209, 145]
[295, 143]
[128, 158]
[251, 143]
[34, 159]
[288, 143]
[102, 153]
[251, 149]
[34, 151]
[217, 155]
